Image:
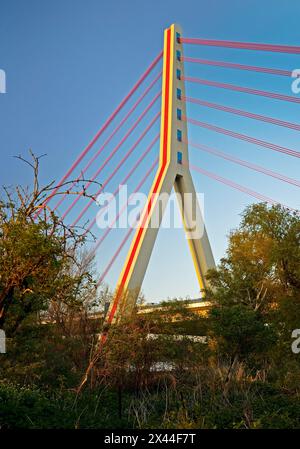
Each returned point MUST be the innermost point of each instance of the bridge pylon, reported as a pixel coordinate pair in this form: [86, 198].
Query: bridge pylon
[173, 171]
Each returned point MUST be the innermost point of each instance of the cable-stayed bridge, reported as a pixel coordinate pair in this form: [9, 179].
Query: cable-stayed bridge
[153, 134]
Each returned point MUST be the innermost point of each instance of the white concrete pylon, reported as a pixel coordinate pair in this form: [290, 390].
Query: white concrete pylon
[174, 171]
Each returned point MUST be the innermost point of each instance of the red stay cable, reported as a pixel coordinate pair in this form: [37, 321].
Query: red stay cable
[117, 128]
[240, 112]
[231, 65]
[242, 45]
[255, 167]
[103, 128]
[117, 168]
[263, 143]
[141, 183]
[239, 187]
[129, 174]
[114, 151]
[246, 90]
[108, 267]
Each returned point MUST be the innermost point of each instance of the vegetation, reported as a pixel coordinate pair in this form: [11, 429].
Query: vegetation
[154, 371]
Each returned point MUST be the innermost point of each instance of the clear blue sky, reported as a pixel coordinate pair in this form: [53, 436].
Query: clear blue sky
[70, 62]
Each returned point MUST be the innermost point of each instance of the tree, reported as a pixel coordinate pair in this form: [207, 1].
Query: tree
[39, 254]
[256, 288]
[262, 264]
[241, 333]
[47, 287]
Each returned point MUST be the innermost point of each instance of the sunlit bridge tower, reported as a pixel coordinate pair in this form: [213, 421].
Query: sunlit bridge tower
[173, 171]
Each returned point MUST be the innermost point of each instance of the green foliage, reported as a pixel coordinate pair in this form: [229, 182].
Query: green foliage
[150, 373]
[240, 330]
[143, 349]
[261, 406]
[39, 256]
[32, 408]
[37, 267]
[47, 289]
[256, 290]
[262, 261]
